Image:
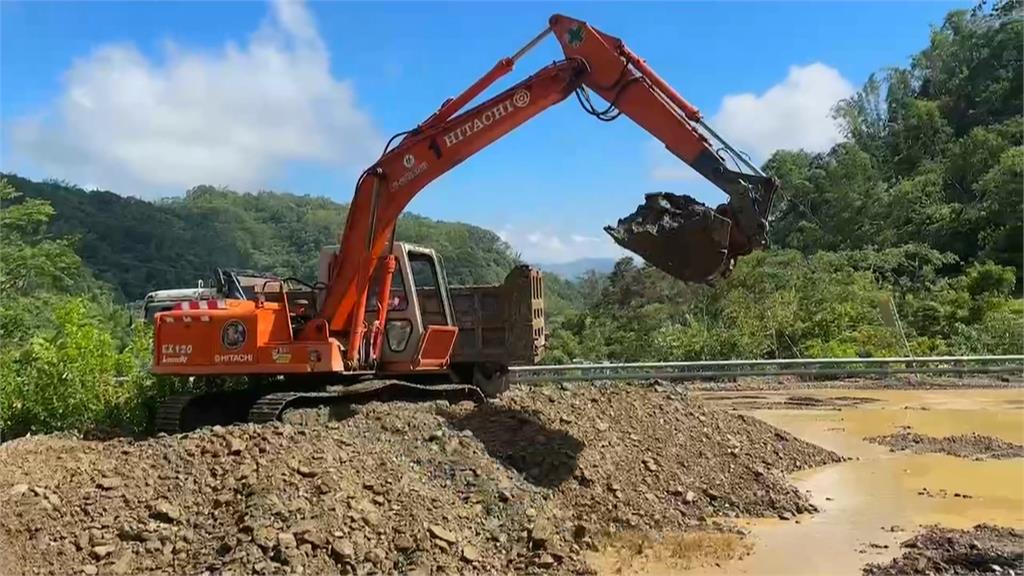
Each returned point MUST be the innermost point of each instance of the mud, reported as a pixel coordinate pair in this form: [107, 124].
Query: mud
[975, 446]
[878, 498]
[984, 549]
[746, 401]
[676, 234]
[535, 482]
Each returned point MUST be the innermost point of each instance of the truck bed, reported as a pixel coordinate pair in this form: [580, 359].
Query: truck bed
[501, 323]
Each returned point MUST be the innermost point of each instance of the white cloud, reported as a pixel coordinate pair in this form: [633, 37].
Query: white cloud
[795, 113]
[234, 116]
[792, 114]
[548, 247]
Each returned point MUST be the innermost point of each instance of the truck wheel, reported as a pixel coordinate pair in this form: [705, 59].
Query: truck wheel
[492, 382]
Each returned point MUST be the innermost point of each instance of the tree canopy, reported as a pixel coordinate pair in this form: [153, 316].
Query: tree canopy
[918, 210]
[933, 153]
[138, 246]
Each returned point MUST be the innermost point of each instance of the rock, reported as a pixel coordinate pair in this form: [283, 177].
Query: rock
[403, 543]
[785, 515]
[90, 570]
[102, 551]
[110, 483]
[375, 556]
[545, 561]
[18, 489]
[313, 538]
[235, 445]
[123, 564]
[650, 465]
[342, 550]
[286, 540]
[306, 472]
[470, 553]
[164, 511]
[689, 497]
[580, 531]
[541, 534]
[442, 534]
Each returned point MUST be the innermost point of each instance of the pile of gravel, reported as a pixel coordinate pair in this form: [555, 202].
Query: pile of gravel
[984, 549]
[971, 445]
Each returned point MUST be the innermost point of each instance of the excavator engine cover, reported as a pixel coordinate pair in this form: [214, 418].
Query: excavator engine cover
[678, 235]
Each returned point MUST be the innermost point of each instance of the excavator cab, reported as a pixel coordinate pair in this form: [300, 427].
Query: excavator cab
[419, 329]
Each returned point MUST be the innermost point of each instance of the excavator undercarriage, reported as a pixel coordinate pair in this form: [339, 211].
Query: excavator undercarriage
[298, 402]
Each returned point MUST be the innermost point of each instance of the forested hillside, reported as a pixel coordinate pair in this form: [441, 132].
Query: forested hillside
[933, 155]
[914, 222]
[138, 246]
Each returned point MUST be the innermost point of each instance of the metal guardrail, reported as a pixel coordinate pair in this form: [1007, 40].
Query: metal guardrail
[833, 367]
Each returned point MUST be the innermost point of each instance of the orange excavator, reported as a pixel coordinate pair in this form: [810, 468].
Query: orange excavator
[379, 325]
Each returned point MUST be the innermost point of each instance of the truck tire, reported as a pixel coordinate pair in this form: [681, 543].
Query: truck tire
[492, 380]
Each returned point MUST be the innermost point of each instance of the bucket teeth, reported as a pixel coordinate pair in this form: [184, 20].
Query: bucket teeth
[678, 235]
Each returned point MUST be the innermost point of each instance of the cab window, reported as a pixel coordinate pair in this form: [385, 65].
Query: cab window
[428, 289]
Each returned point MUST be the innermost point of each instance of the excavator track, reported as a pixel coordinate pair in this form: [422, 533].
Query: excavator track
[168, 414]
[187, 412]
[333, 404]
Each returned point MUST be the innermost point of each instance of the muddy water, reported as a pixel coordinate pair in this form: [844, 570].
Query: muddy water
[871, 503]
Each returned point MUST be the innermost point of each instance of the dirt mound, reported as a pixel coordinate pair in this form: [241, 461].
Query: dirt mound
[526, 484]
[985, 549]
[963, 445]
[676, 234]
[653, 460]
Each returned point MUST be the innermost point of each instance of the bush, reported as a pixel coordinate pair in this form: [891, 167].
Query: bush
[76, 377]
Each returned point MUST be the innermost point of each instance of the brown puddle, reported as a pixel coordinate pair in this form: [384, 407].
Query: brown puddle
[870, 504]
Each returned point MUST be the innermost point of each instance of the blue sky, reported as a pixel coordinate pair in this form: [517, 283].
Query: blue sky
[149, 99]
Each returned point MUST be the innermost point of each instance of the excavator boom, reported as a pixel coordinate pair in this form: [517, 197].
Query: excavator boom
[678, 235]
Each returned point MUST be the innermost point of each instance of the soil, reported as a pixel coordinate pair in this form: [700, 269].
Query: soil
[676, 234]
[748, 401]
[985, 549]
[972, 445]
[530, 483]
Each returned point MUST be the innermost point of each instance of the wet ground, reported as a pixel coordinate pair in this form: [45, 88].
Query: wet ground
[879, 498]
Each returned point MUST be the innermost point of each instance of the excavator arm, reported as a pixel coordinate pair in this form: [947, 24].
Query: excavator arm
[594, 61]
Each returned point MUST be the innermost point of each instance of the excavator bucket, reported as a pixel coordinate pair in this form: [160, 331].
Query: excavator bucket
[678, 235]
